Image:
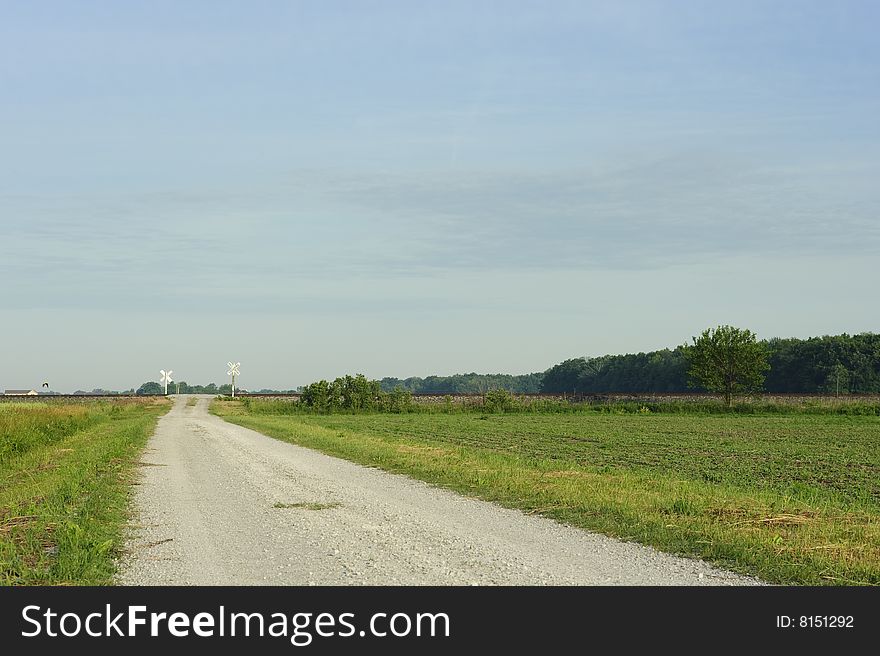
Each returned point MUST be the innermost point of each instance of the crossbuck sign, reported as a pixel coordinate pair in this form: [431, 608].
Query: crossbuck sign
[233, 371]
[166, 378]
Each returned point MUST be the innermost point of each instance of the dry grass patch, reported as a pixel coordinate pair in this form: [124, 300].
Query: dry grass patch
[308, 505]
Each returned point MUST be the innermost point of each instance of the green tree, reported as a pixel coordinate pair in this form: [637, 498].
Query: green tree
[316, 395]
[397, 400]
[499, 401]
[359, 393]
[565, 376]
[727, 360]
[151, 387]
[837, 380]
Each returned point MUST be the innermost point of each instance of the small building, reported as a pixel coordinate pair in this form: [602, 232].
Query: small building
[21, 393]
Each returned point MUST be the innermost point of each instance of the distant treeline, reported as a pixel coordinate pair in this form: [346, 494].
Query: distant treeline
[833, 364]
[826, 365]
[153, 387]
[843, 364]
[466, 384]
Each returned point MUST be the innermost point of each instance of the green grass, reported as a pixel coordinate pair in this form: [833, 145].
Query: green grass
[793, 498]
[308, 505]
[65, 470]
[500, 401]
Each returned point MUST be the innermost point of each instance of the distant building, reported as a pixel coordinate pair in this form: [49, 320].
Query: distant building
[21, 392]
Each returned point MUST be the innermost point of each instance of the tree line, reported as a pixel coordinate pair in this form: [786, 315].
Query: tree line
[726, 360]
[833, 364]
[153, 387]
[471, 383]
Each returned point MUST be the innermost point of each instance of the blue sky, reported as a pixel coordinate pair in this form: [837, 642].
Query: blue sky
[395, 188]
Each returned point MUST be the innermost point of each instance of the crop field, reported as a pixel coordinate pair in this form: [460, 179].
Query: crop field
[791, 497]
[65, 469]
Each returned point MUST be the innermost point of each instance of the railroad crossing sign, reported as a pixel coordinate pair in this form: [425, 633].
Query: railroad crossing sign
[166, 378]
[233, 371]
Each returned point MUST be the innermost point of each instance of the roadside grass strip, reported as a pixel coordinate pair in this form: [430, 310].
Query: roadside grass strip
[65, 476]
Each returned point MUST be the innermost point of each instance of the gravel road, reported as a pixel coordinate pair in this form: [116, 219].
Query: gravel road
[205, 514]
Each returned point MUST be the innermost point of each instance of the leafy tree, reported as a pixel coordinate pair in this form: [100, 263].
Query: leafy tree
[727, 360]
[397, 400]
[151, 387]
[565, 376]
[355, 393]
[335, 399]
[359, 393]
[499, 401]
[837, 380]
[316, 395]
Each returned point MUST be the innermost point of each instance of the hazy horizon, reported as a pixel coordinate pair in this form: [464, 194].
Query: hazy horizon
[256, 387]
[315, 189]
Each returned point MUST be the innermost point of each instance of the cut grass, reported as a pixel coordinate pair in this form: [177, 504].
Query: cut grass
[65, 487]
[794, 499]
[308, 505]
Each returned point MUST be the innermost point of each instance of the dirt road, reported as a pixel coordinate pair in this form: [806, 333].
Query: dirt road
[218, 504]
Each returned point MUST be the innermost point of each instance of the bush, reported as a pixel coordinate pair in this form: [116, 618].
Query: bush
[499, 400]
[353, 393]
[397, 400]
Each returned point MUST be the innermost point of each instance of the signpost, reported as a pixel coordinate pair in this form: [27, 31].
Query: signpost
[166, 378]
[233, 371]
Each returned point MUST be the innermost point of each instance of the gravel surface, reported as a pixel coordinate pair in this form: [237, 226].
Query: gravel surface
[205, 514]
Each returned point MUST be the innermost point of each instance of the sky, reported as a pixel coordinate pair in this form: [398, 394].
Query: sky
[406, 189]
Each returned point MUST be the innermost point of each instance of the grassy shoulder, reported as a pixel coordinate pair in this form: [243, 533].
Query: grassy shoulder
[65, 471]
[794, 499]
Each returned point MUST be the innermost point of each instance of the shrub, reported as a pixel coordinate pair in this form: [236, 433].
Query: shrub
[499, 400]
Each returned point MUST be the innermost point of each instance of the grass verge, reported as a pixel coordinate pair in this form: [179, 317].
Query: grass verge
[791, 499]
[307, 505]
[65, 472]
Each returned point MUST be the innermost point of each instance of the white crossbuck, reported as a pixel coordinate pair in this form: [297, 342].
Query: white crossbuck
[166, 378]
[233, 371]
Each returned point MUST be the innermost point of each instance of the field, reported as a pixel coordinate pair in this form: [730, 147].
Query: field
[788, 496]
[65, 469]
